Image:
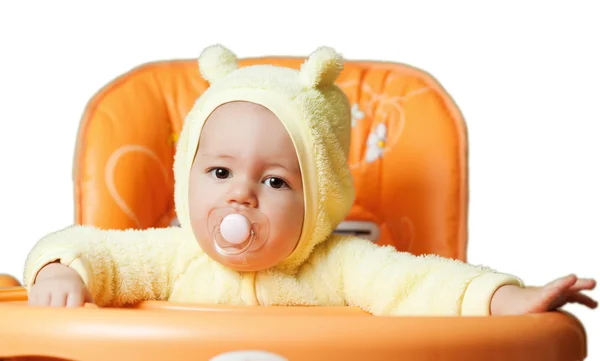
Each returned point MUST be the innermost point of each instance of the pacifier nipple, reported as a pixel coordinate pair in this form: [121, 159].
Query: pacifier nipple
[237, 231]
[235, 228]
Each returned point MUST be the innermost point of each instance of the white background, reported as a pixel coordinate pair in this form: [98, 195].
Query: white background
[525, 75]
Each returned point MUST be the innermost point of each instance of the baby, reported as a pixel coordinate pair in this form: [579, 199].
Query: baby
[261, 182]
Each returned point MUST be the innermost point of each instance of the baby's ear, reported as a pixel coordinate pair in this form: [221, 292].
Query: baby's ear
[322, 68]
[216, 62]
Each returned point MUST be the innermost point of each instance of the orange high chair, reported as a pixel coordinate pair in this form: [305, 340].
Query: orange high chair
[409, 161]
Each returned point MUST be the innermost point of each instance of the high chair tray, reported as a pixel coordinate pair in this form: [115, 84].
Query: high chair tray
[157, 330]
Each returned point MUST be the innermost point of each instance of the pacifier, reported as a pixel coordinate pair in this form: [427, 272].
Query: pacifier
[235, 231]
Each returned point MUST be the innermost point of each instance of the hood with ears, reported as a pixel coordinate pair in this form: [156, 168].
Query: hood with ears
[316, 114]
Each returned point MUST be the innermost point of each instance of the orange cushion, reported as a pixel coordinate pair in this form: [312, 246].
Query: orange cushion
[408, 156]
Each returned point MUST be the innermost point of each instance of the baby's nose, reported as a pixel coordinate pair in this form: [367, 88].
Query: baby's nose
[243, 195]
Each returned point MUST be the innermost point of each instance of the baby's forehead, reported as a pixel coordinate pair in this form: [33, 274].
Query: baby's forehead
[239, 107]
[244, 122]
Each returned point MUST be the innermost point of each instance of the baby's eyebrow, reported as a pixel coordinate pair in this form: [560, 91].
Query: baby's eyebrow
[212, 155]
[275, 164]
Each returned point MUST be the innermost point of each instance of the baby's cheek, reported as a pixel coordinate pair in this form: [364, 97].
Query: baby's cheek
[199, 220]
[287, 222]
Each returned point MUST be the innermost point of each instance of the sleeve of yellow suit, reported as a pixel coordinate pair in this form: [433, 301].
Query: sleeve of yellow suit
[384, 281]
[117, 266]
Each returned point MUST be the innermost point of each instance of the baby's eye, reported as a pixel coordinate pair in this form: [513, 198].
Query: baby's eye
[220, 173]
[276, 183]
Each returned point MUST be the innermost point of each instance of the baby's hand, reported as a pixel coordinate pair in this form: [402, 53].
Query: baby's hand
[58, 286]
[512, 300]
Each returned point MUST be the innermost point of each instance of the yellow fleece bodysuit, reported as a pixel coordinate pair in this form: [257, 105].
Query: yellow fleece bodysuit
[126, 266]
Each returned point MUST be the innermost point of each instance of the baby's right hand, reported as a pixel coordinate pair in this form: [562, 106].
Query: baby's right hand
[57, 285]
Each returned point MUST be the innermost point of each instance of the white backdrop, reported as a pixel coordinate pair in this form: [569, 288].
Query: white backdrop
[525, 76]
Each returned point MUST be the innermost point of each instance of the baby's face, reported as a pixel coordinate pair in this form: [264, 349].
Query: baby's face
[246, 159]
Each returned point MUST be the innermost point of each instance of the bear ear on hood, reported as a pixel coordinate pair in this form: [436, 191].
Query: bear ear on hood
[216, 62]
[322, 68]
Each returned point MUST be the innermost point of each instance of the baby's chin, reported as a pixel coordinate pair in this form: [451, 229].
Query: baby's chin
[253, 261]
[245, 262]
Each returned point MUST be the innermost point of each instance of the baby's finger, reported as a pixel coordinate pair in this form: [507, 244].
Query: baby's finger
[38, 299]
[583, 284]
[44, 299]
[88, 296]
[560, 284]
[75, 299]
[583, 300]
[59, 299]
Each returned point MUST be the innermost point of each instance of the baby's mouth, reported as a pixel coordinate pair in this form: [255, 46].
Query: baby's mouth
[237, 231]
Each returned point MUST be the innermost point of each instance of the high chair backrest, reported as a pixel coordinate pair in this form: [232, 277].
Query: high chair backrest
[408, 156]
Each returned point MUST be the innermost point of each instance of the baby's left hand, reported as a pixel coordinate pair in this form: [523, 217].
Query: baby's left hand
[513, 300]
